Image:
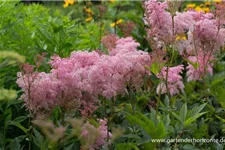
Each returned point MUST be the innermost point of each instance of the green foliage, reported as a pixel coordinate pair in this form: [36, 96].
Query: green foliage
[28, 30]
[148, 125]
[33, 29]
[187, 117]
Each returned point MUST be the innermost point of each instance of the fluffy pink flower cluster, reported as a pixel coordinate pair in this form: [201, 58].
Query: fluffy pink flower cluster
[202, 30]
[159, 20]
[104, 134]
[109, 41]
[174, 80]
[196, 35]
[40, 90]
[82, 77]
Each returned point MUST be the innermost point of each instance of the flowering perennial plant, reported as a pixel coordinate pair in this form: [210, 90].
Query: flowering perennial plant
[77, 81]
[197, 36]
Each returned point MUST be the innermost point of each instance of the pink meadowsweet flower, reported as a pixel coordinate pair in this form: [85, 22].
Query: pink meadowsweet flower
[42, 92]
[204, 66]
[125, 45]
[197, 16]
[202, 32]
[79, 79]
[124, 66]
[183, 22]
[89, 104]
[174, 80]
[209, 40]
[104, 133]
[159, 20]
[109, 41]
[187, 31]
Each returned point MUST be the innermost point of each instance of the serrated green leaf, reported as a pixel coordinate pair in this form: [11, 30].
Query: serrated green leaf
[161, 130]
[197, 109]
[192, 119]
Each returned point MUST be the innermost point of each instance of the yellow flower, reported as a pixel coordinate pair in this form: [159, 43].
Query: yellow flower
[217, 1]
[71, 2]
[201, 5]
[199, 9]
[119, 21]
[181, 37]
[68, 2]
[65, 5]
[191, 6]
[88, 19]
[206, 9]
[116, 23]
[88, 10]
[112, 1]
[207, 3]
[113, 24]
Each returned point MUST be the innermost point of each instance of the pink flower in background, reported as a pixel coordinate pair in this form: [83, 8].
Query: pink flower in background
[125, 45]
[202, 32]
[204, 66]
[159, 20]
[183, 22]
[174, 80]
[104, 133]
[109, 41]
[192, 30]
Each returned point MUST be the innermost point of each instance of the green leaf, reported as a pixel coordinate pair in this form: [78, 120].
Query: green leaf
[218, 78]
[154, 131]
[20, 119]
[126, 146]
[176, 116]
[194, 64]
[17, 124]
[70, 147]
[47, 37]
[166, 120]
[143, 122]
[161, 130]
[183, 112]
[196, 110]
[15, 145]
[38, 138]
[192, 119]
[57, 29]
[221, 119]
[219, 93]
[156, 67]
